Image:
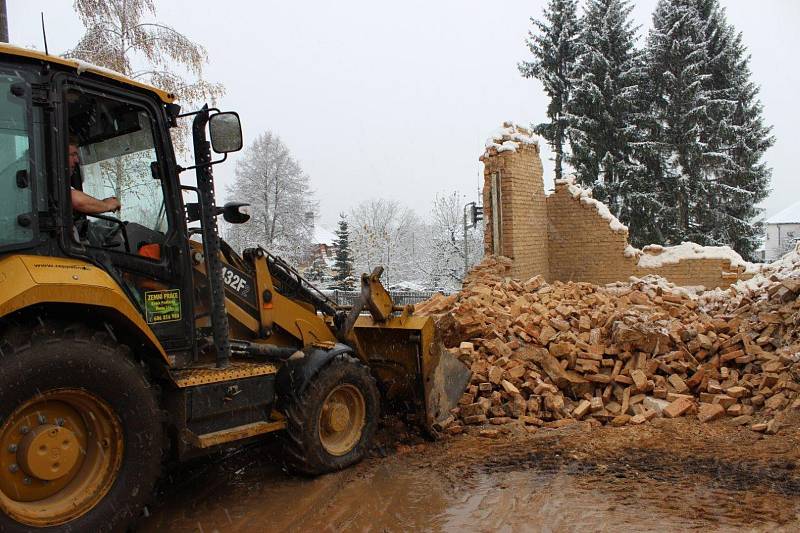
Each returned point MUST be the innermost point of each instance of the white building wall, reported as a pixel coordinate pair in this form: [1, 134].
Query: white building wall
[779, 238]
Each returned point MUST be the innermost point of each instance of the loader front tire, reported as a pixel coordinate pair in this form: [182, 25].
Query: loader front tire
[331, 423]
[80, 431]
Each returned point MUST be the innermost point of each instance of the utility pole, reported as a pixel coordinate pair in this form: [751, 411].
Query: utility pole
[466, 246]
[475, 214]
[3, 22]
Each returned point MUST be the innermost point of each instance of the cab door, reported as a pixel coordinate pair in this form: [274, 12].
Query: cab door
[124, 151]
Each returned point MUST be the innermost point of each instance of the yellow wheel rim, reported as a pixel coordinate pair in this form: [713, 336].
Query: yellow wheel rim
[342, 419]
[60, 453]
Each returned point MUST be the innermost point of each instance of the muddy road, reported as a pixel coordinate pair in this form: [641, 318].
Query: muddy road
[674, 475]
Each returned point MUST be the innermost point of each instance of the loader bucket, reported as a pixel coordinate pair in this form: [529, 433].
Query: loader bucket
[412, 366]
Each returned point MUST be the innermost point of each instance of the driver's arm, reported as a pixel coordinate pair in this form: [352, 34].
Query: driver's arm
[89, 205]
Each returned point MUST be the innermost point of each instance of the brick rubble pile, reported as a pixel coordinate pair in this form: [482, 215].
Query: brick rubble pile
[550, 354]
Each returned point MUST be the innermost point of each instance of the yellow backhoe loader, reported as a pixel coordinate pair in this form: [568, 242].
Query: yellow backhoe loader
[139, 338]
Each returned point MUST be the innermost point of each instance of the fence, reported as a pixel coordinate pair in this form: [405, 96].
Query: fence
[398, 297]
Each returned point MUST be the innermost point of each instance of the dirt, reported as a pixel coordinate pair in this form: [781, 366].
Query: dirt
[667, 476]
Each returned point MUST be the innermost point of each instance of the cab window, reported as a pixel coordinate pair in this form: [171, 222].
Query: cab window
[116, 158]
[16, 217]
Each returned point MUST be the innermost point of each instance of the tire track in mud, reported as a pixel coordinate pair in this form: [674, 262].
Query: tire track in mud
[779, 476]
[693, 487]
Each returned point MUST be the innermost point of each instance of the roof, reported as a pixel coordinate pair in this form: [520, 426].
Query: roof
[323, 236]
[82, 66]
[790, 215]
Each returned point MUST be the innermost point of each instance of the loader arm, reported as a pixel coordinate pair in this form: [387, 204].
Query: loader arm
[269, 303]
[260, 313]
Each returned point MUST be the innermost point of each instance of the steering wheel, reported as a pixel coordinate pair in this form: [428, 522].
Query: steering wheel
[115, 230]
[111, 234]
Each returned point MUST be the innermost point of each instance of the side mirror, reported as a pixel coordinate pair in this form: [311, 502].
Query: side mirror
[233, 213]
[226, 132]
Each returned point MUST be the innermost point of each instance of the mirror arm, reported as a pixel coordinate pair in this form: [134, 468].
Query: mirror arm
[191, 113]
[181, 169]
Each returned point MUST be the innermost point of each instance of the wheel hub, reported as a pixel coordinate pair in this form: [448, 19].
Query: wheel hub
[342, 419]
[60, 452]
[48, 452]
[338, 417]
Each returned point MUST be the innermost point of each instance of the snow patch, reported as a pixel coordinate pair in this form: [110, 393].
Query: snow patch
[656, 256]
[85, 66]
[786, 267]
[585, 197]
[653, 282]
[630, 251]
[755, 288]
[508, 138]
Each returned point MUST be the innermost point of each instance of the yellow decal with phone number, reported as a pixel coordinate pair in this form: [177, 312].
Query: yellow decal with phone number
[162, 306]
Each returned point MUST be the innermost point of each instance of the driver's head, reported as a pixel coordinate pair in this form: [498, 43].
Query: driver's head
[73, 154]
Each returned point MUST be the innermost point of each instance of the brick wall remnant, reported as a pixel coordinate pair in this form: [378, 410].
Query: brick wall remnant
[570, 236]
[513, 170]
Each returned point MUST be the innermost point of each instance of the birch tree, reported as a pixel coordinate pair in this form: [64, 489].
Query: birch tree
[125, 36]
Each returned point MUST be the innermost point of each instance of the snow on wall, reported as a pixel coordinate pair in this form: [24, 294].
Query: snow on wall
[508, 138]
[521, 203]
[787, 267]
[657, 256]
[578, 237]
[585, 197]
[592, 245]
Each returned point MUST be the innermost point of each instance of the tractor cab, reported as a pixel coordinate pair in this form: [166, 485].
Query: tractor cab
[91, 175]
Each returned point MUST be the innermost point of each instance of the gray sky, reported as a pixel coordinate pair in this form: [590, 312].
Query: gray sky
[396, 100]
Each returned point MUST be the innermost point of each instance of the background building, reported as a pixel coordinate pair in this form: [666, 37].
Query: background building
[783, 232]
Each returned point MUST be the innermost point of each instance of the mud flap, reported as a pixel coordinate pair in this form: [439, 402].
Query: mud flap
[445, 379]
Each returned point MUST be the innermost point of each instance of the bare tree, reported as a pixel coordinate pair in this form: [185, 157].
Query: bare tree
[282, 204]
[385, 233]
[448, 251]
[120, 36]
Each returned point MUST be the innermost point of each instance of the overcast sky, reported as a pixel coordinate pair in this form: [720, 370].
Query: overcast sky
[396, 100]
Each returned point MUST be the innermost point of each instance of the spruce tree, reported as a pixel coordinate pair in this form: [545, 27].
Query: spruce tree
[343, 259]
[736, 139]
[674, 152]
[552, 43]
[602, 110]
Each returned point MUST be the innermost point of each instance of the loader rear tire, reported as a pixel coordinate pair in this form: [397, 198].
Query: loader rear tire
[332, 422]
[80, 431]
